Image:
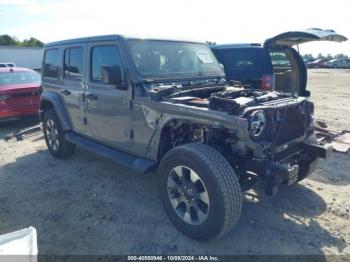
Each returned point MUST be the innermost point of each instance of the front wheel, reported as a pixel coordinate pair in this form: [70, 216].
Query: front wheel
[200, 191]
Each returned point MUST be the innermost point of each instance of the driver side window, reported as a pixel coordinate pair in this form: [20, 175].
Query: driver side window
[108, 55]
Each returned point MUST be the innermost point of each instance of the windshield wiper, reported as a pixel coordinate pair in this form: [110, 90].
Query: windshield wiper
[157, 91]
[198, 91]
[205, 82]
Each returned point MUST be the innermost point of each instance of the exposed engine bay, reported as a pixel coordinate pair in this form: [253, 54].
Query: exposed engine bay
[232, 100]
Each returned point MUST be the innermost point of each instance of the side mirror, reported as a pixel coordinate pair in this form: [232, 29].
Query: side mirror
[112, 75]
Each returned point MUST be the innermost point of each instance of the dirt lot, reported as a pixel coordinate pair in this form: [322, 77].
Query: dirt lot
[89, 205]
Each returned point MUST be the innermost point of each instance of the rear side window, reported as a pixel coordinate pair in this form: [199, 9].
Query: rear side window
[244, 61]
[104, 56]
[51, 63]
[73, 63]
[279, 60]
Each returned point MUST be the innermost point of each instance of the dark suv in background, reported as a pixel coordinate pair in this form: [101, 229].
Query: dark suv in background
[274, 64]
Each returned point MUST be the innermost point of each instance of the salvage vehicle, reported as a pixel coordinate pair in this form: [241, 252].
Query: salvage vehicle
[19, 92]
[275, 64]
[164, 104]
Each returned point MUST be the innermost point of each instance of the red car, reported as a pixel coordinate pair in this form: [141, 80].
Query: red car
[318, 63]
[19, 92]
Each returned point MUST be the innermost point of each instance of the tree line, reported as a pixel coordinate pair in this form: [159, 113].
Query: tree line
[13, 41]
[310, 57]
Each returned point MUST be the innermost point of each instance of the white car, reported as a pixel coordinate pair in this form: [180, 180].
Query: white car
[338, 63]
[7, 65]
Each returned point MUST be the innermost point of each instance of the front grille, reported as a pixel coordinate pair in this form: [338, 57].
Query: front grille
[290, 125]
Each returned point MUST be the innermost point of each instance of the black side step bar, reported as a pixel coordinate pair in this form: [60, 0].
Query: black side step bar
[141, 165]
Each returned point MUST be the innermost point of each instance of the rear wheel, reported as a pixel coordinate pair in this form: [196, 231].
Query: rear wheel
[200, 191]
[54, 136]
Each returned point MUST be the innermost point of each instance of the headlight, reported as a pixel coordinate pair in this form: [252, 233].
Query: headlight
[257, 123]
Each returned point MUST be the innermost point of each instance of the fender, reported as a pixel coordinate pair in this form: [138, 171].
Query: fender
[56, 101]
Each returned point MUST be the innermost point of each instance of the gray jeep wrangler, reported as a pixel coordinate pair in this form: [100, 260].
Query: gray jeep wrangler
[163, 104]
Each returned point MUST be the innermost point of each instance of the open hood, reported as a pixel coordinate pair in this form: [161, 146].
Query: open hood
[288, 39]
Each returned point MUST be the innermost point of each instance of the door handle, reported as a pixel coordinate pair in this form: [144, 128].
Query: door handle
[65, 92]
[91, 96]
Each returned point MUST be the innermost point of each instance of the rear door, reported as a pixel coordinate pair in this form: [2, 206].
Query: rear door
[293, 38]
[72, 88]
[62, 73]
[290, 71]
[107, 107]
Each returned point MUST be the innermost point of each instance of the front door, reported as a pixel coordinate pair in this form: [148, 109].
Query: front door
[107, 107]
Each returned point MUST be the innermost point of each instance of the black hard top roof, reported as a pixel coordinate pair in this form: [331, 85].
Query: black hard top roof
[114, 38]
[242, 45]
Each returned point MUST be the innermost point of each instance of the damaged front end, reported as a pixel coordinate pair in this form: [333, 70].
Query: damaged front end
[281, 146]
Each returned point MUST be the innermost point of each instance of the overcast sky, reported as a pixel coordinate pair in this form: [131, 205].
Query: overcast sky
[231, 21]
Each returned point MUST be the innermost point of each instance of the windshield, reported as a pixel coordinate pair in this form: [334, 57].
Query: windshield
[14, 78]
[166, 59]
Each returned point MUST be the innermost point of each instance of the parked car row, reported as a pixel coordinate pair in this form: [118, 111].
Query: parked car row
[343, 63]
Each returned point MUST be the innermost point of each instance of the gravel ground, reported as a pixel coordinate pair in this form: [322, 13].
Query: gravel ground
[89, 205]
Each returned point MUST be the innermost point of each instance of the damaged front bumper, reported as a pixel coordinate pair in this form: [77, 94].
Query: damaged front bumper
[290, 169]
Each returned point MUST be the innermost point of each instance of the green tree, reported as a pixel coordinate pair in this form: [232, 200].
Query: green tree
[329, 57]
[320, 56]
[308, 57]
[341, 56]
[13, 41]
[33, 42]
[7, 40]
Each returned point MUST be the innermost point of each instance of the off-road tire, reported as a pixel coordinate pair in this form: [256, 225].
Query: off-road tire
[65, 149]
[222, 184]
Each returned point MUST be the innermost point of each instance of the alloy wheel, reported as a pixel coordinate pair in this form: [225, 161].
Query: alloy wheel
[188, 195]
[52, 134]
